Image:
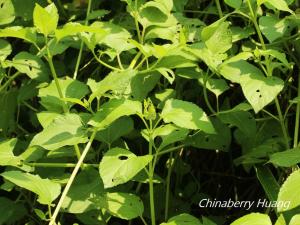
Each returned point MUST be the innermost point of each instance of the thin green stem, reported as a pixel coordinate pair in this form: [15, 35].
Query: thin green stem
[72, 177]
[120, 62]
[10, 79]
[284, 130]
[206, 97]
[170, 150]
[104, 63]
[143, 220]
[219, 8]
[58, 165]
[297, 120]
[82, 44]
[135, 59]
[168, 186]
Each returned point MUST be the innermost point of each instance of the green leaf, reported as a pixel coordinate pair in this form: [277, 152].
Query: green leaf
[268, 182]
[7, 157]
[113, 110]
[5, 49]
[295, 220]
[253, 219]
[236, 4]
[122, 205]
[115, 130]
[45, 19]
[8, 102]
[286, 158]
[27, 33]
[219, 141]
[70, 88]
[118, 166]
[153, 13]
[272, 27]
[277, 55]
[45, 118]
[186, 115]
[289, 192]
[278, 4]
[260, 90]
[31, 65]
[182, 219]
[7, 12]
[11, 211]
[86, 185]
[216, 86]
[46, 190]
[64, 130]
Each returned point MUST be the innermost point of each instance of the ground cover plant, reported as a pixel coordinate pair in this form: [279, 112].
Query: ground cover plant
[134, 111]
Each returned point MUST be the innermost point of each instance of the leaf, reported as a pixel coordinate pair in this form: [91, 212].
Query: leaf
[268, 182]
[277, 55]
[122, 205]
[64, 130]
[118, 166]
[272, 27]
[45, 19]
[5, 49]
[31, 65]
[182, 219]
[216, 86]
[289, 192]
[11, 211]
[8, 102]
[221, 140]
[86, 186]
[295, 220]
[27, 34]
[113, 110]
[236, 4]
[287, 158]
[186, 115]
[153, 13]
[115, 130]
[253, 219]
[260, 90]
[46, 190]
[7, 157]
[70, 88]
[7, 12]
[278, 4]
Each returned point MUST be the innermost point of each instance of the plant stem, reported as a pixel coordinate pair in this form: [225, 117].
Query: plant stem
[104, 63]
[261, 39]
[81, 44]
[219, 8]
[297, 120]
[72, 177]
[168, 186]
[10, 79]
[170, 150]
[151, 172]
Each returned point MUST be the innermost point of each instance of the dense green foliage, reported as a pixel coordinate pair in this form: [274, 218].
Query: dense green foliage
[133, 111]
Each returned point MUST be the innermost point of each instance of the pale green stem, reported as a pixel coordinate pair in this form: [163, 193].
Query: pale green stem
[219, 8]
[72, 177]
[82, 44]
[168, 186]
[10, 79]
[104, 63]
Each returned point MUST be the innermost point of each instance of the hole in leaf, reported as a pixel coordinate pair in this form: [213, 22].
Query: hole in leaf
[30, 68]
[2, 4]
[257, 90]
[207, 139]
[260, 96]
[123, 157]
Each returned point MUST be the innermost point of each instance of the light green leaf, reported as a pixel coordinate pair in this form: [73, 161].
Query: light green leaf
[64, 130]
[272, 27]
[27, 33]
[7, 157]
[5, 49]
[280, 220]
[113, 110]
[122, 205]
[260, 90]
[7, 12]
[153, 13]
[295, 220]
[182, 219]
[277, 55]
[216, 86]
[31, 65]
[46, 190]
[70, 88]
[45, 19]
[186, 115]
[118, 166]
[286, 158]
[278, 4]
[253, 219]
[45, 118]
[289, 192]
